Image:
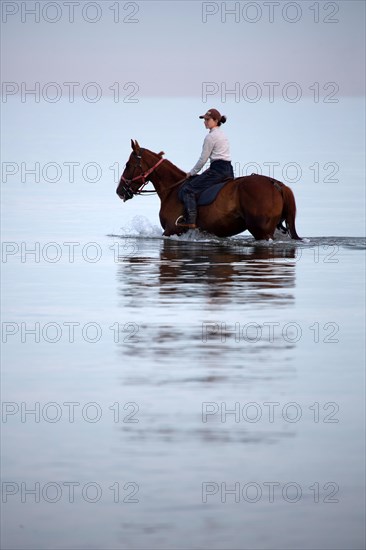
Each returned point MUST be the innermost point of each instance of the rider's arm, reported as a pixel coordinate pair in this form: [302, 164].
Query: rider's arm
[206, 152]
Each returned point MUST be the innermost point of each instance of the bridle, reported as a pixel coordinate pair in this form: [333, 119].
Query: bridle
[126, 187]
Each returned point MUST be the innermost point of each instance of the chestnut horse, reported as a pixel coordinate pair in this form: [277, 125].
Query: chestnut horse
[255, 203]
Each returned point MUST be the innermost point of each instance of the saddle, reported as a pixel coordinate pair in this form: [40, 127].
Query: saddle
[207, 196]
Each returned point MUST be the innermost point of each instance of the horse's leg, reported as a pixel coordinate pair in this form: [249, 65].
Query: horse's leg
[173, 230]
[261, 227]
[261, 209]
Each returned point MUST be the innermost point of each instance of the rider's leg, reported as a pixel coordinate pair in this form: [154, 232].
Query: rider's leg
[194, 186]
[190, 206]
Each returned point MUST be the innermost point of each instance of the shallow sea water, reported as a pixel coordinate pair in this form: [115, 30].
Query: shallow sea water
[180, 393]
[214, 388]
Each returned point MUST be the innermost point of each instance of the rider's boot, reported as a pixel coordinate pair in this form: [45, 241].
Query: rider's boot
[190, 217]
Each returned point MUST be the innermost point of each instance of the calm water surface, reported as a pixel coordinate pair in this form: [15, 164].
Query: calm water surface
[192, 392]
[187, 393]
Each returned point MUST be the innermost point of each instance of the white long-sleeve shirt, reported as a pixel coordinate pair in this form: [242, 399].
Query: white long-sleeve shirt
[215, 147]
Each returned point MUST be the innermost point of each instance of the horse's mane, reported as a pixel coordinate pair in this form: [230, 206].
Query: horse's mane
[180, 173]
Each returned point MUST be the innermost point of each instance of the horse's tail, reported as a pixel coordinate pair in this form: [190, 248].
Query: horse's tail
[289, 211]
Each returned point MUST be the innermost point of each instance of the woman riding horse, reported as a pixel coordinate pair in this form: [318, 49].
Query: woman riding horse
[255, 203]
[216, 148]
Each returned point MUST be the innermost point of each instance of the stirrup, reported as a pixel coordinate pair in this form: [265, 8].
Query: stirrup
[180, 222]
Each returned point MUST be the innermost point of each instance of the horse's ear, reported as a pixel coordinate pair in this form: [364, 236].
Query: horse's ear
[161, 154]
[135, 146]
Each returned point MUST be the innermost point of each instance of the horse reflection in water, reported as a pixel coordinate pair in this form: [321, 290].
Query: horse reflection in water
[181, 285]
[188, 298]
[206, 269]
[238, 272]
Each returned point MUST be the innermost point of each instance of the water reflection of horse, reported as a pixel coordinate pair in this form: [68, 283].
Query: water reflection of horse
[255, 203]
[182, 292]
[238, 272]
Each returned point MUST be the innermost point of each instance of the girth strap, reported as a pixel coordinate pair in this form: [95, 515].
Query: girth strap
[276, 185]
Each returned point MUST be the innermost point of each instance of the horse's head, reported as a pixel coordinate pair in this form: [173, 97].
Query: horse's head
[137, 170]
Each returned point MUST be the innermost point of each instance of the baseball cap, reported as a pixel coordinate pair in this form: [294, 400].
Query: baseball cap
[212, 113]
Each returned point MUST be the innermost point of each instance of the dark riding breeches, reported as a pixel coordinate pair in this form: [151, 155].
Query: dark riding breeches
[193, 187]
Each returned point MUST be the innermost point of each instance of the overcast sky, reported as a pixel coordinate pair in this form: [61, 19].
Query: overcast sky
[172, 48]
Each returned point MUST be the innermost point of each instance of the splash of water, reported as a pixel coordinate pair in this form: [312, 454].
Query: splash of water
[141, 226]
